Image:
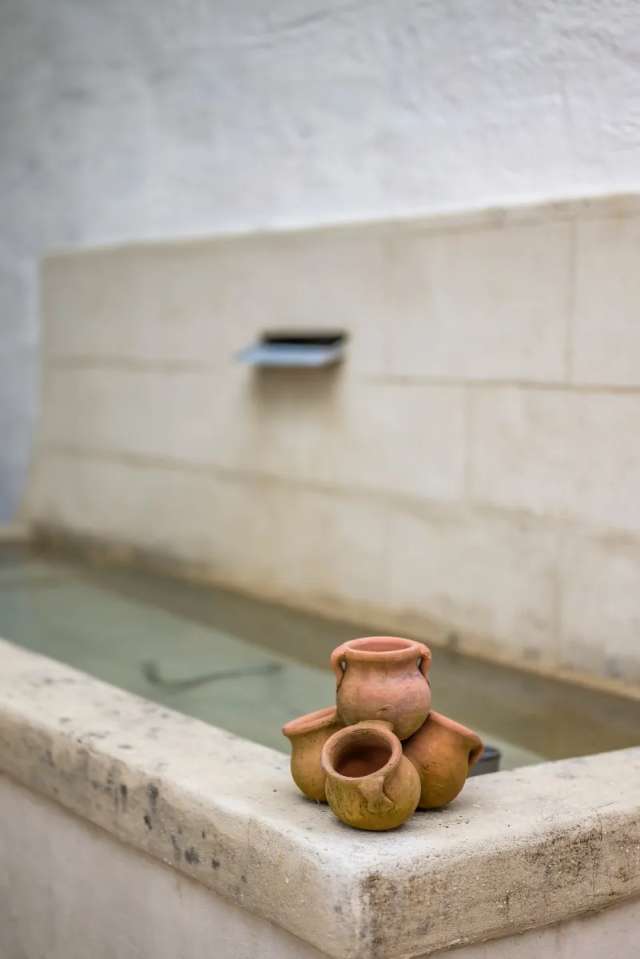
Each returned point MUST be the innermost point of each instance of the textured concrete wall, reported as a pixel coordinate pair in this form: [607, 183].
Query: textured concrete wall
[470, 474]
[135, 120]
[516, 851]
[69, 890]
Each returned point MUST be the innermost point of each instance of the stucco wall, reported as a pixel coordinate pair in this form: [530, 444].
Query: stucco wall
[130, 120]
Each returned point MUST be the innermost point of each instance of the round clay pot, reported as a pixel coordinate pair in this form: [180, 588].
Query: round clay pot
[307, 735]
[443, 751]
[370, 784]
[383, 678]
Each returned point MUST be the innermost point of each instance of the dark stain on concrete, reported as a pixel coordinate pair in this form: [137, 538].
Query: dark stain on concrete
[379, 896]
[153, 792]
[191, 856]
[177, 851]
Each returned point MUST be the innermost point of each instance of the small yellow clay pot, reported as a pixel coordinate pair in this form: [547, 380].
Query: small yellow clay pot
[443, 751]
[370, 784]
[383, 678]
[307, 735]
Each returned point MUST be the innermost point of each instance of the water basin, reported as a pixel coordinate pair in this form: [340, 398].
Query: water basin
[249, 666]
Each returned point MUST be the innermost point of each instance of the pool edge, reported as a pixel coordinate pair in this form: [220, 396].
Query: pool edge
[517, 851]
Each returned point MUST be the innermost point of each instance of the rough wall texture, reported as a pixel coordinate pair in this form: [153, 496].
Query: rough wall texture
[130, 120]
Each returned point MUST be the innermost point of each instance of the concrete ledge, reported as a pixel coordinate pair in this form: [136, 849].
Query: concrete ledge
[64, 880]
[518, 850]
[590, 206]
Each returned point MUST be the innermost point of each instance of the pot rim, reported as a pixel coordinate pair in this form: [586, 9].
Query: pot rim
[380, 730]
[389, 648]
[439, 719]
[311, 722]
[452, 724]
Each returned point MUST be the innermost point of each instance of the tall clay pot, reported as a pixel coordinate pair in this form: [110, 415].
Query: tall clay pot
[442, 751]
[383, 678]
[307, 735]
[370, 784]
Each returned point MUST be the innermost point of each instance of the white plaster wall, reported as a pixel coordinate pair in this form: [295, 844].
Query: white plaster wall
[125, 120]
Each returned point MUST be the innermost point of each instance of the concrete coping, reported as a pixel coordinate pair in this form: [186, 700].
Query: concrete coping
[520, 212]
[515, 851]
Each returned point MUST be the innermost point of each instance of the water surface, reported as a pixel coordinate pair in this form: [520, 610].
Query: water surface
[249, 666]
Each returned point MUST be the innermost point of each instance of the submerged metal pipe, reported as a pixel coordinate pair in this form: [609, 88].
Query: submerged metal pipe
[152, 673]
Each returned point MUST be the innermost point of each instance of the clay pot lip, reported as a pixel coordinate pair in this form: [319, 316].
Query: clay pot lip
[451, 724]
[311, 722]
[383, 648]
[455, 727]
[379, 730]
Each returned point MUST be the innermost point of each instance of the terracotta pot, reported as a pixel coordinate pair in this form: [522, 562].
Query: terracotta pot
[443, 751]
[370, 784]
[384, 678]
[307, 735]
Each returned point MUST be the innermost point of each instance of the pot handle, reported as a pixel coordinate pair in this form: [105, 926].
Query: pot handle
[339, 663]
[372, 791]
[424, 660]
[476, 751]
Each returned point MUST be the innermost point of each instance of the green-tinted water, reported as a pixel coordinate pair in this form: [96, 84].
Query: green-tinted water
[249, 666]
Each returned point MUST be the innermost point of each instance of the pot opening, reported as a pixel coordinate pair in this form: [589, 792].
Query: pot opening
[381, 644]
[310, 722]
[361, 759]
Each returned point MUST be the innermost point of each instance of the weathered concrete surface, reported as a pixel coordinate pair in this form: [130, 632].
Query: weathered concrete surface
[69, 890]
[64, 881]
[610, 934]
[517, 850]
